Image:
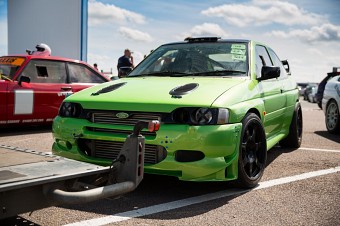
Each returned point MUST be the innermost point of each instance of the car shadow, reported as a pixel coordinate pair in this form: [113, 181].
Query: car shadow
[157, 189]
[329, 136]
[24, 130]
[275, 152]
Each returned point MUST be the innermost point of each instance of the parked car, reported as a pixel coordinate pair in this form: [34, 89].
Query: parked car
[33, 87]
[321, 87]
[302, 86]
[311, 95]
[308, 90]
[331, 105]
[222, 105]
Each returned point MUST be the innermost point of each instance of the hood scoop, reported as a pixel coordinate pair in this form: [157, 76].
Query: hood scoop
[179, 91]
[108, 89]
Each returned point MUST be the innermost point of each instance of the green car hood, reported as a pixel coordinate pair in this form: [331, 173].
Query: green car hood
[152, 93]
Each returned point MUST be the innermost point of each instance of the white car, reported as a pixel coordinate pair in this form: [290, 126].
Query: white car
[331, 105]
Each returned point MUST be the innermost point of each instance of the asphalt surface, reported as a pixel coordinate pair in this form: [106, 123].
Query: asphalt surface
[293, 190]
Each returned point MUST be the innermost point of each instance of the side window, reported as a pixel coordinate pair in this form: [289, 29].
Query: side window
[44, 71]
[81, 74]
[277, 63]
[262, 59]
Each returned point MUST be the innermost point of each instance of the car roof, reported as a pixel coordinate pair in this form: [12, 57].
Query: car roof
[208, 40]
[29, 57]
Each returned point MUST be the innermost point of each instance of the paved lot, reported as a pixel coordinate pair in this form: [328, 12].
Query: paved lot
[299, 187]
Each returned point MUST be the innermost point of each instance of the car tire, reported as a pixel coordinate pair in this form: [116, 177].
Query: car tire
[332, 117]
[294, 138]
[253, 152]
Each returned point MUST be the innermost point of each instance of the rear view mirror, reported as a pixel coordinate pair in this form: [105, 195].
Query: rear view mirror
[24, 79]
[269, 72]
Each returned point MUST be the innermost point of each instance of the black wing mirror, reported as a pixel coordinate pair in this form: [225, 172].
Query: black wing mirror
[286, 66]
[24, 79]
[269, 72]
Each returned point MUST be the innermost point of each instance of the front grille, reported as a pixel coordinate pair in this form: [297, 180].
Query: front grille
[132, 119]
[110, 150]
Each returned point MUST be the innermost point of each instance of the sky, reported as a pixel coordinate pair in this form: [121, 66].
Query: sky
[305, 32]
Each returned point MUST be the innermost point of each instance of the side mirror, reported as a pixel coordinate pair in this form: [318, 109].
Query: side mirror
[24, 79]
[286, 66]
[124, 71]
[269, 72]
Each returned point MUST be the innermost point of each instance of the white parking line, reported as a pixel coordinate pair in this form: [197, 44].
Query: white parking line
[198, 199]
[318, 149]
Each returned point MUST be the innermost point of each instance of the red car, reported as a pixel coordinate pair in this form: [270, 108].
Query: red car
[33, 87]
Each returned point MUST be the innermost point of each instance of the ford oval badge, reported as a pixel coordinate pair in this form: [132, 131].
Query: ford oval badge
[122, 115]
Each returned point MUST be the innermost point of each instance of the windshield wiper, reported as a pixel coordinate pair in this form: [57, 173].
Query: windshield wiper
[218, 72]
[162, 73]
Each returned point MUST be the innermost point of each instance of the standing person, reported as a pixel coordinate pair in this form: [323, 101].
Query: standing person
[95, 66]
[125, 63]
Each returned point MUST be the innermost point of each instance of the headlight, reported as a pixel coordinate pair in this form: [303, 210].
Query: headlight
[68, 109]
[201, 116]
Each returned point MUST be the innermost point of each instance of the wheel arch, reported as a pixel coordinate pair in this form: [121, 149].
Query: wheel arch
[240, 110]
[255, 111]
[332, 99]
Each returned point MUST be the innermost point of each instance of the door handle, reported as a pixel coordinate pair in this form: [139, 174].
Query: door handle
[68, 88]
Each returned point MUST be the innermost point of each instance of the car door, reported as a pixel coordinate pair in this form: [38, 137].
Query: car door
[288, 89]
[38, 101]
[9, 66]
[3, 101]
[272, 94]
[81, 76]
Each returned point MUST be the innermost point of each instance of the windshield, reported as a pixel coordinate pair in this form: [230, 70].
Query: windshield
[196, 59]
[9, 66]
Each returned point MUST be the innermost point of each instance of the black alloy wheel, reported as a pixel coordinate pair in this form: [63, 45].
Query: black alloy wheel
[253, 151]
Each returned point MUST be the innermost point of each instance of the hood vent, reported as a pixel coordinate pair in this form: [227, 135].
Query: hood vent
[108, 89]
[183, 90]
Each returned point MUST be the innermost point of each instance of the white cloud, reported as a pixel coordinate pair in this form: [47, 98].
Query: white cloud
[135, 34]
[261, 12]
[100, 13]
[315, 52]
[325, 32]
[207, 29]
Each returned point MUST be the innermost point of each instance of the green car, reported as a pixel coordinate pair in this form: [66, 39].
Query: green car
[221, 103]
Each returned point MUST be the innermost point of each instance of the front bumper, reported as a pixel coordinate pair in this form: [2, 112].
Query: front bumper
[218, 143]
